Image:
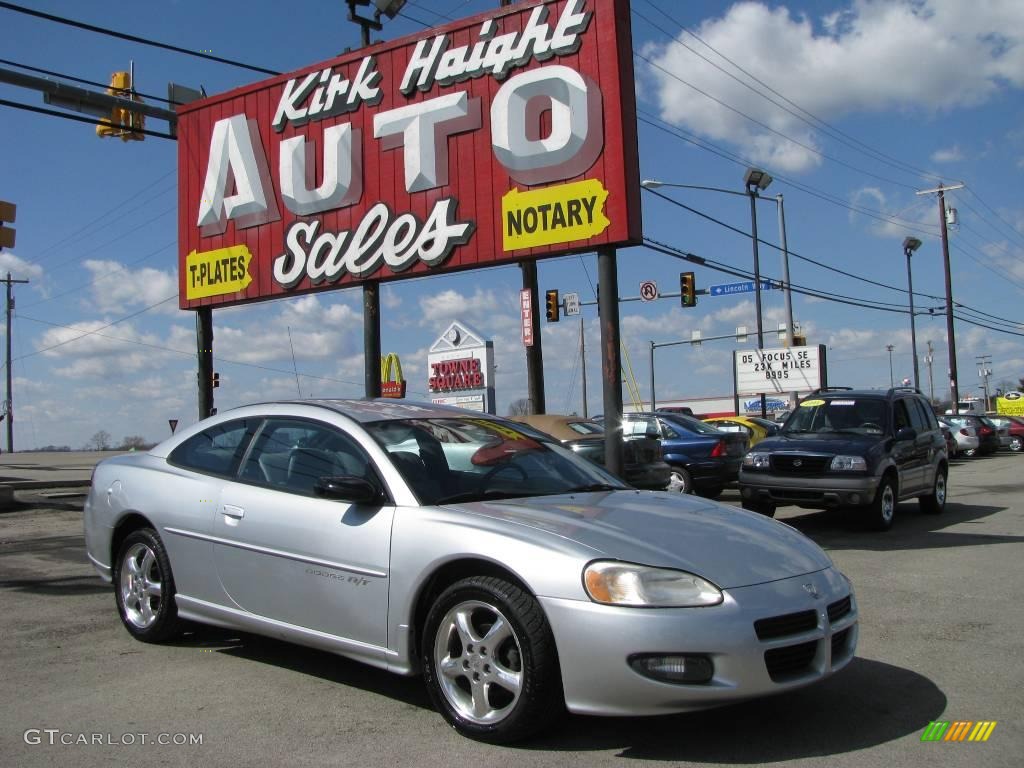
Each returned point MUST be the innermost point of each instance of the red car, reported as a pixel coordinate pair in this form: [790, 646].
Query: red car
[1016, 427]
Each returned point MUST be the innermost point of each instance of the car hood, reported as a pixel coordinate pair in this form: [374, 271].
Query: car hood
[815, 443]
[729, 546]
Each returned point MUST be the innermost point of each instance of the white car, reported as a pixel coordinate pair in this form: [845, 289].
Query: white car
[966, 436]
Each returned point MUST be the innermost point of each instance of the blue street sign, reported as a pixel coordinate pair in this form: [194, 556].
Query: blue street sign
[747, 286]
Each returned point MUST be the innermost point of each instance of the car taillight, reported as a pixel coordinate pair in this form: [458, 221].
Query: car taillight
[985, 431]
[719, 450]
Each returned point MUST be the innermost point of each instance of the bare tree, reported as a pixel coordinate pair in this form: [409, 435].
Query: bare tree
[520, 407]
[134, 443]
[100, 441]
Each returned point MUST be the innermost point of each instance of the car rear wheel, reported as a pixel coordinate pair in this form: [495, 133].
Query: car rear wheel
[710, 492]
[1016, 444]
[935, 501]
[489, 661]
[680, 481]
[883, 508]
[971, 452]
[768, 510]
[144, 588]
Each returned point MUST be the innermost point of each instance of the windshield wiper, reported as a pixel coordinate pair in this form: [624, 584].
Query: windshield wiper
[594, 487]
[456, 498]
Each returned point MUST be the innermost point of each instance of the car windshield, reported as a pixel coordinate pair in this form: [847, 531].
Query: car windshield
[585, 427]
[693, 424]
[847, 415]
[450, 460]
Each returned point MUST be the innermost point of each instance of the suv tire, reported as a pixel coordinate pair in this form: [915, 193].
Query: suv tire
[935, 501]
[882, 509]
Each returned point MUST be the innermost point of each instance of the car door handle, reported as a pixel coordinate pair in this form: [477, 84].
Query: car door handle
[230, 510]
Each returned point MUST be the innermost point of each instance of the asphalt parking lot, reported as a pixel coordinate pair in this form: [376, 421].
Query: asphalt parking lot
[941, 628]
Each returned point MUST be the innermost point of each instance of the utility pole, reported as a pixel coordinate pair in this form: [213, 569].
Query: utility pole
[984, 371]
[931, 381]
[9, 402]
[892, 381]
[583, 366]
[954, 390]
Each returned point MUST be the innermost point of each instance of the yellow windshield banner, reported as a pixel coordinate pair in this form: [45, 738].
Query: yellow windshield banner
[558, 214]
[1010, 404]
[215, 273]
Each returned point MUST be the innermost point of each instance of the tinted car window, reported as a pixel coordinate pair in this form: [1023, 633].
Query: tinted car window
[292, 455]
[214, 451]
[900, 415]
[920, 416]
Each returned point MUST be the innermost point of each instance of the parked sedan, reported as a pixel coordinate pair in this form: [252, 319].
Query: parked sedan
[965, 435]
[703, 459]
[519, 579]
[1014, 426]
[643, 466]
[987, 432]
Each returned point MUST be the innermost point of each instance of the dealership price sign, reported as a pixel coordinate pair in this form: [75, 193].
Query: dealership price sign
[506, 136]
[767, 371]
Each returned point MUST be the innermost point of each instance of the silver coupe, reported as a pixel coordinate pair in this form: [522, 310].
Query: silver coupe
[519, 579]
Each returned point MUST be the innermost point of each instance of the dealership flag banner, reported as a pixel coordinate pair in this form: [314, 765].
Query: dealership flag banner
[506, 136]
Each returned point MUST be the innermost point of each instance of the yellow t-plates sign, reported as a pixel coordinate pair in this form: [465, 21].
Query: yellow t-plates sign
[559, 214]
[214, 273]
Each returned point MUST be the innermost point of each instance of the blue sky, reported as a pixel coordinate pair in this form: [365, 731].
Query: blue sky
[872, 101]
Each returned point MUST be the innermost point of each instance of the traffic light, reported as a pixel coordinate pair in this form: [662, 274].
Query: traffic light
[216, 380]
[687, 290]
[8, 212]
[551, 305]
[123, 122]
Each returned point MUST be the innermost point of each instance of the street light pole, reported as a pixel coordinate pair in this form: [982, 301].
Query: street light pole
[757, 179]
[910, 245]
[892, 381]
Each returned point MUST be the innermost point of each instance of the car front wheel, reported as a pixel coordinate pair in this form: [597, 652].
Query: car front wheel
[144, 588]
[490, 662]
[883, 508]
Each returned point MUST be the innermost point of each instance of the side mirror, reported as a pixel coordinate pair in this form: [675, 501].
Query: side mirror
[357, 490]
[906, 433]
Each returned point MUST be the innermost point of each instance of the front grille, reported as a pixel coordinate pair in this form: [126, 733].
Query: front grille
[840, 608]
[839, 641]
[796, 464]
[786, 662]
[795, 495]
[790, 624]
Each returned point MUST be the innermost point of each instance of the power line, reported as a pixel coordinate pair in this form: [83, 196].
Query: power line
[132, 38]
[74, 79]
[78, 118]
[820, 123]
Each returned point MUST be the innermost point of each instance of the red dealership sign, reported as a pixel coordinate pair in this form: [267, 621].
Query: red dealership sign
[507, 136]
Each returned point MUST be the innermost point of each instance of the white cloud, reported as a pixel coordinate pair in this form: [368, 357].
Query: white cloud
[873, 55]
[18, 267]
[948, 155]
[117, 288]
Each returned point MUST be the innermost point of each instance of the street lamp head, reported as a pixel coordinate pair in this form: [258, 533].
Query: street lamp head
[755, 177]
[911, 244]
[651, 183]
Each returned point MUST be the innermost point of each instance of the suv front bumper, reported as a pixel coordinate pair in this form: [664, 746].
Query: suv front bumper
[826, 492]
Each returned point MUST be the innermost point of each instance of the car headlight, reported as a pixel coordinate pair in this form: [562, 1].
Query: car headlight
[756, 460]
[849, 464]
[615, 583]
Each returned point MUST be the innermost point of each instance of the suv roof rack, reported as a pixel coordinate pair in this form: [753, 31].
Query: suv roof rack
[822, 390]
[912, 390]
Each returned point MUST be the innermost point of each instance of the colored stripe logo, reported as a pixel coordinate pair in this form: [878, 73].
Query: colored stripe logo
[958, 730]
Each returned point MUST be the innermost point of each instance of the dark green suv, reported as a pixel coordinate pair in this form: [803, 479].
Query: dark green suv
[863, 449]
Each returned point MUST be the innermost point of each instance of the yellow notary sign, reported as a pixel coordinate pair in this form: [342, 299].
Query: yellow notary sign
[558, 214]
[215, 273]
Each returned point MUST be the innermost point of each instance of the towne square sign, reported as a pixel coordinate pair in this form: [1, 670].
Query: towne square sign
[507, 136]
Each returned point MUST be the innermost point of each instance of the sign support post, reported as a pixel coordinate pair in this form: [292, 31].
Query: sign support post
[204, 349]
[611, 357]
[534, 352]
